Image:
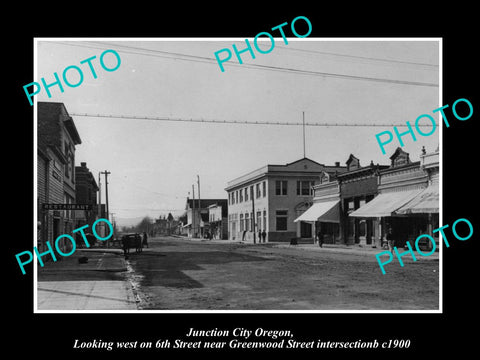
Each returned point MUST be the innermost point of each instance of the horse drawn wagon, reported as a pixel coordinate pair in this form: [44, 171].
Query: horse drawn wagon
[132, 241]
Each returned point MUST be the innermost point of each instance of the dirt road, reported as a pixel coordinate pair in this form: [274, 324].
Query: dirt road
[180, 274]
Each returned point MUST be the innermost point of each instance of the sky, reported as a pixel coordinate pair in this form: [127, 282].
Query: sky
[154, 163]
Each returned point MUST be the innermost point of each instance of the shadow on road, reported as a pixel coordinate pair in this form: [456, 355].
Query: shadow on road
[167, 269]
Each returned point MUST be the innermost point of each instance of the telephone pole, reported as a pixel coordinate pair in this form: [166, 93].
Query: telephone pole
[106, 173]
[199, 207]
[114, 226]
[303, 116]
[252, 190]
[193, 211]
[99, 196]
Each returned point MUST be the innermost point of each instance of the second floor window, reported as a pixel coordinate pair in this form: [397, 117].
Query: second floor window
[281, 187]
[304, 188]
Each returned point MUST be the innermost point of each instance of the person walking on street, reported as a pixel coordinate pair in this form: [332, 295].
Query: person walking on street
[264, 235]
[320, 238]
[259, 235]
[145, 239]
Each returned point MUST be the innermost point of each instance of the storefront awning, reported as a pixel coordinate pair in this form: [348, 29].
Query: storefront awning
[385, 204]
[427, 202]
[328, 211]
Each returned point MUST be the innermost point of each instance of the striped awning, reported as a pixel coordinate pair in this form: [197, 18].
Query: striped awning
[386, 204]
[427, 202]
[327, 211]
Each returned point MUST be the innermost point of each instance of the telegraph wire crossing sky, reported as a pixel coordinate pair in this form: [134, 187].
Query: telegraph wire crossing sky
[168, 114]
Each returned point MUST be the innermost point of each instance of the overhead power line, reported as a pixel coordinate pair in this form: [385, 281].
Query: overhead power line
[216, 121]
[204, 59]
[361, 57]
[289, 48]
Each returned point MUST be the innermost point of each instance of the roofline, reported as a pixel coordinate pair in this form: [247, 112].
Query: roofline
[404, 166]
[363, 169]
[206, 199]
[304, 158]
[237, 181]
[72, 130]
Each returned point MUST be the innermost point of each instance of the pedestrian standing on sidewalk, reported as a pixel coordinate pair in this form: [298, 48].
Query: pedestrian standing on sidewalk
[145, 239]
[390, 238]
[264, 235]
[320, 238]
[259, 235]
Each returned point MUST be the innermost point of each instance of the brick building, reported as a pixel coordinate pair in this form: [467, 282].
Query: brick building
[358, 186]
[272, 197]
[338, 195]
[86, 190]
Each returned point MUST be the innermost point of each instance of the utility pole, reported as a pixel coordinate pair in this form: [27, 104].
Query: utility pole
[303, 116]
[193, 211]
[114, 227]
[106, 173]
[99, 196]
[253, 212]
[199, 206]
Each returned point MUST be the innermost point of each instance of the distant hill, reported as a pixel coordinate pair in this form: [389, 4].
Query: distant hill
[128, 221]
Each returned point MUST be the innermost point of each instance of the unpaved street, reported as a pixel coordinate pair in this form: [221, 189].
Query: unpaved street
[181, 274]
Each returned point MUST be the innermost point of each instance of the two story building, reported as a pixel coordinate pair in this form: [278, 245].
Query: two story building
[217, 218]
[198, 215]
[270, 199]
[338, 195]
[57, 137]
[86, 190]
[408, 199]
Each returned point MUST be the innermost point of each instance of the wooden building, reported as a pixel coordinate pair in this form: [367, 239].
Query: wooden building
[407, 200]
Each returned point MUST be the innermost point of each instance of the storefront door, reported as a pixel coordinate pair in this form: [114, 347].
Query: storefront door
[305, 229]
